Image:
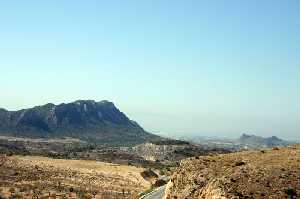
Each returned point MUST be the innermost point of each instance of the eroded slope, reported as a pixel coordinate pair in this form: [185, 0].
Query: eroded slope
[273, 173]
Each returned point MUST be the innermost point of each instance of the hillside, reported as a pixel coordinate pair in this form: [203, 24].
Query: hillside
[99, 122]
[273, 173]
[41, 177]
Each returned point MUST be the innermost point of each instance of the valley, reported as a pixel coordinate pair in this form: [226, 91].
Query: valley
[88, 149]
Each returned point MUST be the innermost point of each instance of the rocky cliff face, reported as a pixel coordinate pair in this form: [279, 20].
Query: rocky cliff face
[85, 119]
[272, 173]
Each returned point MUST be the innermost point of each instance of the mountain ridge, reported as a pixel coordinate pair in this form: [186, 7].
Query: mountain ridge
[100, 122]
[262, 141]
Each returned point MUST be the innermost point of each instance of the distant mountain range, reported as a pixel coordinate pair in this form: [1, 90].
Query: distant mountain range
[261, 141]
[98, 122]
[245, 141]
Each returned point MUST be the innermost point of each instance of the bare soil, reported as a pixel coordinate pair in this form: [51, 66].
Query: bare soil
[272, 173]
[41, 177]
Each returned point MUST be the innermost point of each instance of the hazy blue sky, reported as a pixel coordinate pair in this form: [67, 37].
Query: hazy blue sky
[215, 68]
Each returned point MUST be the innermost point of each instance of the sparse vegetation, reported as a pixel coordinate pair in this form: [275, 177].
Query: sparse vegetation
[169, 142]
[58, 178]
[249, 174]
[3, 159]
[68, 149]
[291, 192]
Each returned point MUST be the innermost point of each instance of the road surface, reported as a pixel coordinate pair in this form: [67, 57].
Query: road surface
[156, 194]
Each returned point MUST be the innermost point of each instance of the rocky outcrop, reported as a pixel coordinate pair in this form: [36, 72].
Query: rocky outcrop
[272, 173]
[85, 119]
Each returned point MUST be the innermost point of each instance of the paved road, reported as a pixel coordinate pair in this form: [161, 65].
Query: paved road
[156, 194]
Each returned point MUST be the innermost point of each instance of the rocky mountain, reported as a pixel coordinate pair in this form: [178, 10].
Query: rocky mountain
[99, 122]
[270, 173]
[259, 141]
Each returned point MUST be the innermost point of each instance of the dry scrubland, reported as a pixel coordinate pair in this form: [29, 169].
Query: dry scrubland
[273, 173]
[41, 177]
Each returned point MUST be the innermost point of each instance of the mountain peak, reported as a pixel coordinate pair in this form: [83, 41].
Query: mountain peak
[85, 101]
[93, 103]
[85, 119]
[3, 110]
[245, 136]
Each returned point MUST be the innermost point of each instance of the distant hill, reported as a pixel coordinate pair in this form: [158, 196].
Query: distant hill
[245, 141]
[98, 122]
[261, 141]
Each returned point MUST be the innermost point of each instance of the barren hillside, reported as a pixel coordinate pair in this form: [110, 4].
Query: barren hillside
[29, 176]
[273, 173]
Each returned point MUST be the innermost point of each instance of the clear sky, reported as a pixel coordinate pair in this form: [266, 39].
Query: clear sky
[210, 68]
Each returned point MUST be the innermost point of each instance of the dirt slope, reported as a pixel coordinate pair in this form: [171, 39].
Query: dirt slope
[273, 173]
[30, 176]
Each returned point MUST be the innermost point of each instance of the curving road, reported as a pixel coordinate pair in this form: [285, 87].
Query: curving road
[156, 194]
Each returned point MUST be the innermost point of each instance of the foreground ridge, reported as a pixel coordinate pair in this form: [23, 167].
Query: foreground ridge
[273, 173]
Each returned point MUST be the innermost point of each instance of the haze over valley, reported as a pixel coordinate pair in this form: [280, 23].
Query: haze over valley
[150, 99]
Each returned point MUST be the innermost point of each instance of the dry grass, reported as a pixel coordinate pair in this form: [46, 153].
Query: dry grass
[32, 177]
